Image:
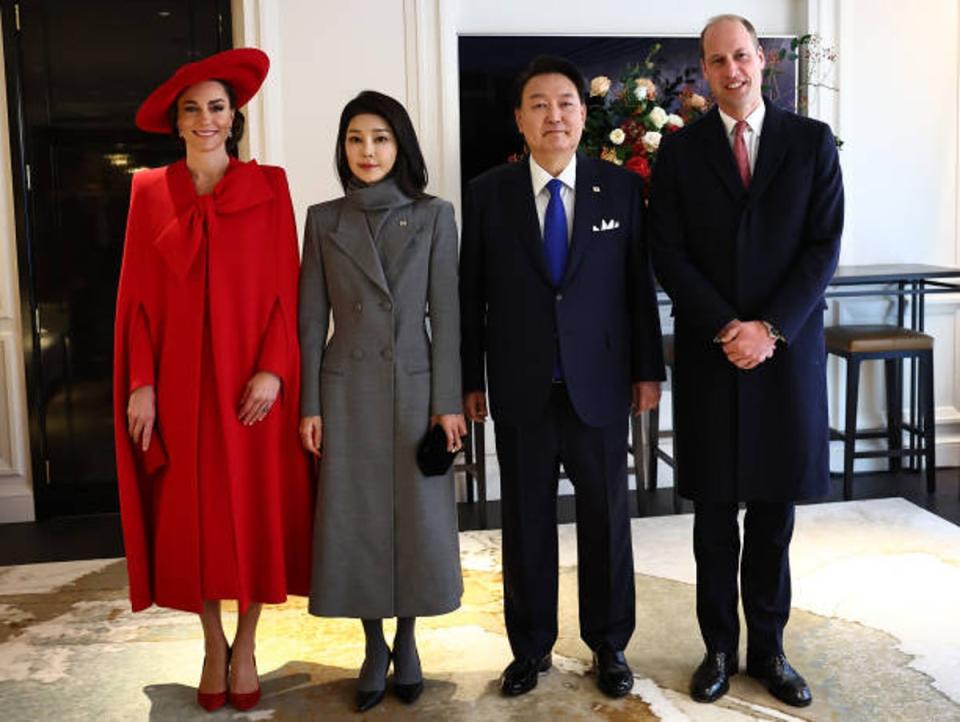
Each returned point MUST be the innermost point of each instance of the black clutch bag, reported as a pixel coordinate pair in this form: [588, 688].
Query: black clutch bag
[432, 455]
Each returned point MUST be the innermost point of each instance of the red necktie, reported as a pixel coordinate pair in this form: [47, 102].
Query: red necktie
[740, 152]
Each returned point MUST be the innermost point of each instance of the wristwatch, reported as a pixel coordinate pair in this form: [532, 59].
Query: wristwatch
[774, 332]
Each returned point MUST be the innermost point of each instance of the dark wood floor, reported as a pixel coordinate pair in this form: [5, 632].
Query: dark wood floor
[99, 536]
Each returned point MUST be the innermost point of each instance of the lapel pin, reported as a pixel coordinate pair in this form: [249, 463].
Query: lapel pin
[596, 189]
[403, 221]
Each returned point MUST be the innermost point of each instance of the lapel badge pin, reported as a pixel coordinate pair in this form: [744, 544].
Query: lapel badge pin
[596, 189]
[403, 221]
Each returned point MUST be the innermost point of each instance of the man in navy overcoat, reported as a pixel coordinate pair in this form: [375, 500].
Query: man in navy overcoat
[746, 214]
[558, 307]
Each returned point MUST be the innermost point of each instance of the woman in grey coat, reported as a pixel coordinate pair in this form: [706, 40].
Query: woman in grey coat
[383, 259]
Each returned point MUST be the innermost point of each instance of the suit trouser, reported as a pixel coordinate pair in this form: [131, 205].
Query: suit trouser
[764, 574]
[596, 462]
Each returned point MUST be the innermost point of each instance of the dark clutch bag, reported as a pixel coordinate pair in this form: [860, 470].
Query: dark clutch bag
[432, 455]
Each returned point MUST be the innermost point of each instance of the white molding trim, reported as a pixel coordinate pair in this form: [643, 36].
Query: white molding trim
[424, 93]
[16, 490]
[256, 24]
[823, 17]
[956, 172]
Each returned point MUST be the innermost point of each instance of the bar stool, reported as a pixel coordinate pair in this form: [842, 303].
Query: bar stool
[653, 434]
[892, 344]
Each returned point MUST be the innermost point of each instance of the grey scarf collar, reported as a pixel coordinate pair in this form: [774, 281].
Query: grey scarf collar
[384, 195]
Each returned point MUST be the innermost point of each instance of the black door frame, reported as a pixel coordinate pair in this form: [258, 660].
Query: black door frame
[47, 500]
[10, 18]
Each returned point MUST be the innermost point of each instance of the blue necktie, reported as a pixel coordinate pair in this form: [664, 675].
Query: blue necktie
[555, 233]
[555, 248]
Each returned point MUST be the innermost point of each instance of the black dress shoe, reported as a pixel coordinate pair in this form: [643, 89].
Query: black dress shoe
[780, 679]
[614, 677]
[521, 675]
[712, 679]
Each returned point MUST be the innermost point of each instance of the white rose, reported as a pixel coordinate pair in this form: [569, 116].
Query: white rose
[599, 86]
[651, 141]
[641, 92]
[658, 116]
[617, 136]
[674, 119]
[649, 89]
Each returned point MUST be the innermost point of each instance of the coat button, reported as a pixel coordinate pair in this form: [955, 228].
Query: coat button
[559, 297]
[358, 307]
[386, 305]
[387, 354]
[357, 353]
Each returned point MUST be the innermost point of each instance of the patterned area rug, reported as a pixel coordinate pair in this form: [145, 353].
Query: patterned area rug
[875, 631]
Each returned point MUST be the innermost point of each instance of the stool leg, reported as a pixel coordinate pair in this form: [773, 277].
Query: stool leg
[929, 422]
[850, 423]
[892, 374]
[653, 443]
[480, 454]
[639, 457]
[470, 478]
[677, 501]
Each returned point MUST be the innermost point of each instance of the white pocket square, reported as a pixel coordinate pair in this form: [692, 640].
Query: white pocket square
[607, 225]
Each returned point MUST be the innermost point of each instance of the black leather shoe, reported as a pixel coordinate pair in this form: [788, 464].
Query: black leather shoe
[614, 677]
[521, 675]
[780, 679]
[712, 679]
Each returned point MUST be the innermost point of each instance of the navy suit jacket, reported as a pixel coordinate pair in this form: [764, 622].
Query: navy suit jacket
[766, 252]
[602, 317]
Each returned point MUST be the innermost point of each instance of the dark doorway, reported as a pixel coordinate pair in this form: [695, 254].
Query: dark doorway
[76, 73]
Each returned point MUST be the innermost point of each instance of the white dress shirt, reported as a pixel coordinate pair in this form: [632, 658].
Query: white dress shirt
[541, 194]
[751, 134]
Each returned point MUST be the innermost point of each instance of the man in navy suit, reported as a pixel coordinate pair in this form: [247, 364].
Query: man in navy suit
[557, 299]
[746, 213]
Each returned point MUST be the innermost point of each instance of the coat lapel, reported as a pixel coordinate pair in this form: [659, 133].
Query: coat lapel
[773, 147]
[719, 155]
[586, 211]
[522, 211]
[353, 237]
[397, 233]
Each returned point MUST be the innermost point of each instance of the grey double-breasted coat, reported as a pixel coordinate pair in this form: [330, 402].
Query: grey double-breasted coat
[385, 538]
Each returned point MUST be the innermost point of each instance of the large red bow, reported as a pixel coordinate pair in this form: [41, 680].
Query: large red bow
[243, 186]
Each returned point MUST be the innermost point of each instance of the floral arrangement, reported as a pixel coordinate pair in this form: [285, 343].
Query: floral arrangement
[627, 119]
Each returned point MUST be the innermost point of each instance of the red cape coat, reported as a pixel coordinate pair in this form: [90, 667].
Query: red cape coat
[208, 297]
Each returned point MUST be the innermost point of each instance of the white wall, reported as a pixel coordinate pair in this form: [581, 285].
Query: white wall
[898, 115]
[322, 54]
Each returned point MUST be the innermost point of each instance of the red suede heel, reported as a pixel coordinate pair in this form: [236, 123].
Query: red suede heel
[242, 701]
[212, 701]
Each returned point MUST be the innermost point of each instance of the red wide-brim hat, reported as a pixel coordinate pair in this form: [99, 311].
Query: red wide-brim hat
[244, 69]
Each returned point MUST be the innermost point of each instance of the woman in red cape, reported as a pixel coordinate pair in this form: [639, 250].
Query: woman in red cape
[215, 492]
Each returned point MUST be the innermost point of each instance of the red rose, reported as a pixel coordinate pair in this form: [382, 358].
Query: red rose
[639, 165]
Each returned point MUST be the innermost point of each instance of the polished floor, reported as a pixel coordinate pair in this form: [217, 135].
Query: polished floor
[874, 629]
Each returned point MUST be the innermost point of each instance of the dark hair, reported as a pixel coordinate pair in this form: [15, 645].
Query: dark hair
[409, 169]
[236, 130]
[546, 65]
[729, 17]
